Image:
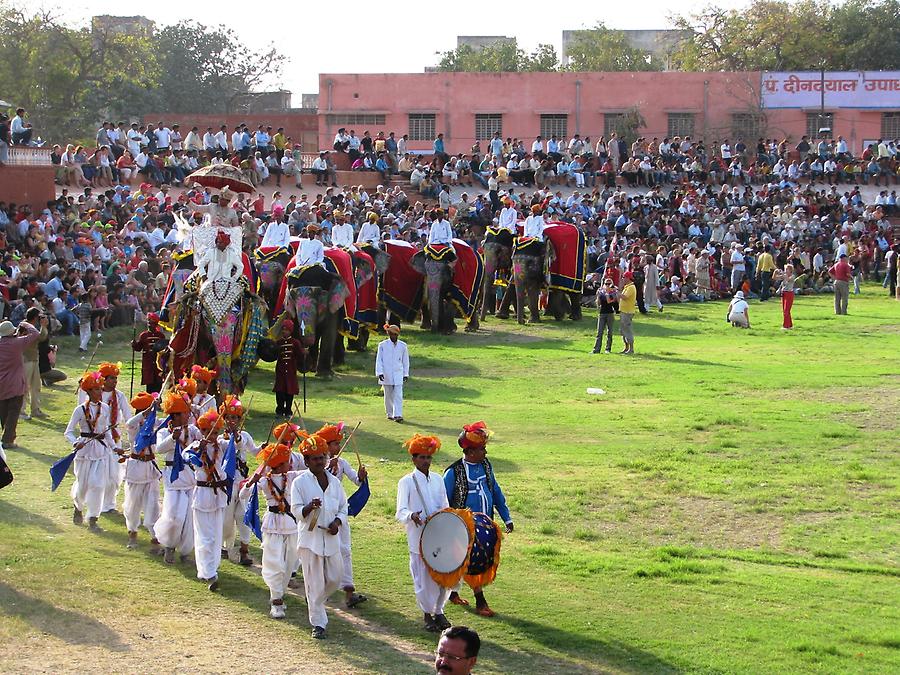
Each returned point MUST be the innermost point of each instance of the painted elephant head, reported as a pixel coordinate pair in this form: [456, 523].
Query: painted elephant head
[530, 274]
[439, 313]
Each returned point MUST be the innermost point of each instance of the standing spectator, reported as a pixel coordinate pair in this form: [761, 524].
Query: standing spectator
[607, 308]
[787, 296]
[12, 376]
[392, 370]
[84, 311]
[841, 273]
[34, 318]
[765, 267]
[627, 308]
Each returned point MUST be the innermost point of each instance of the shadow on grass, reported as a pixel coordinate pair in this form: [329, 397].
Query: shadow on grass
[72, 627]
[42, 457]
[647, 356]
[16, 515]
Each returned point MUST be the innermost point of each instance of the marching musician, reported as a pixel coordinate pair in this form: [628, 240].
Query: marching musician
[420, 494]
[340, 467]
[202, 400]
[232, 411]
[142, 476]
[279, 524]
[149, 343]
[290, 356]
[319, 502]
[89, 432]
[210, 497]
[119, 413]
[470, 483]
[175, 527]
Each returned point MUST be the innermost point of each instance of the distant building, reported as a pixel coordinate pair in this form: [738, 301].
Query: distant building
[482, 41]
[660, 44]
[309, 101]
[134, 26]
[255, 102]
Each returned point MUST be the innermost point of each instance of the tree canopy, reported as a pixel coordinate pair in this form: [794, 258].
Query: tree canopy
[499, 57]
[71, 78]
[603, 49]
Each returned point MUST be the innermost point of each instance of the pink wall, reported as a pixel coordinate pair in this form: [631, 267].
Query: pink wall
[521, 98]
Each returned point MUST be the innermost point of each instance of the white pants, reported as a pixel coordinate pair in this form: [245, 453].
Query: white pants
[393, 399]
[33, 380]
[279, 560]
[175, 527]
[208, 542]
[113, 482]
[90, 485]
[84, 331]
[346, 556]
[321, 577]
[579, 179]
[430, 597]
[234, 516]
[141, 497]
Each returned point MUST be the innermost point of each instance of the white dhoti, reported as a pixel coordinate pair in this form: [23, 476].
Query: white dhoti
[89, 488]
[141, 498]
[115, 476]
[175, 526]
[346, 556]
[279, 560]
[234, 517]
[208, 542]
[429, 595]
[321, 577]
[393, 399]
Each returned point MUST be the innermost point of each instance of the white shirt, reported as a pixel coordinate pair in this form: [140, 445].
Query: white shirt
[163, 137]
[221, 140]
[392, 361]
[534, 227]
[274, 523]
[334, 505]
[371, 233]
[209, 141]
[310, 252]
[342, 235]
[165, 446]
[426, 495]
[440, 232]
[277, 234]
[507, 218]
[93, 448]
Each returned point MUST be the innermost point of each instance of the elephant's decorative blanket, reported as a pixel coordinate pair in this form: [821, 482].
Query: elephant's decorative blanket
[568, 269]
[468, 277]
[403, 287]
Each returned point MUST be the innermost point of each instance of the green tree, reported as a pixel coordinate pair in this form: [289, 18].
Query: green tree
[863, 30]
[601, 49]
[628, 126]
[500, 57]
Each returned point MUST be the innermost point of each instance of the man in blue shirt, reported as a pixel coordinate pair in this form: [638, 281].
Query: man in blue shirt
[470, 483]
[438, 148]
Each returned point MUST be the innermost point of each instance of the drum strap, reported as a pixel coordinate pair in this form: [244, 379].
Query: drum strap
[419, 491]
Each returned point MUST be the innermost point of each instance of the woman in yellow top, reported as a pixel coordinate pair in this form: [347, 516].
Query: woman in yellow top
[627, 308]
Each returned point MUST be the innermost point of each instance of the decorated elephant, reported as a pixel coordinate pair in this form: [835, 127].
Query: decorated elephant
[498, 243]
[369, 264]
[402, 286]
[316, 297]
[453, 279]
[271, 265]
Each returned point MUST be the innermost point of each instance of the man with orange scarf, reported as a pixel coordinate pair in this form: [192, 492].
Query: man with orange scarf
[420, 494]
[470, 483]
[119, 414]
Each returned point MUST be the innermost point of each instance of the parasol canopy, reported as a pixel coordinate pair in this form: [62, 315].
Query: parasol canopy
[219, 176]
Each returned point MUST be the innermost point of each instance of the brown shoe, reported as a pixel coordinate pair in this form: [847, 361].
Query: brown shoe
[77, 517]
[457, 600]
[485, 611]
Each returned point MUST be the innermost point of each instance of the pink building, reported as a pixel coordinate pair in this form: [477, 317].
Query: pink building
[714, 106]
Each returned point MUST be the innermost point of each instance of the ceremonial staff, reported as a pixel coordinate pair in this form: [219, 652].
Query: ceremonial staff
[133, 336]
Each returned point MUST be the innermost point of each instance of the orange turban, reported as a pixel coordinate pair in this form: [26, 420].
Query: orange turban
[423, 445]
[474, 436]
[288, 433]
[187, 386]
[175, 402]
[92, 381]
[392, 328]
[273, 454]
[210, 419]
[108, 369]
[143, 400]
[332, 432]
[313, 446]
[201, 373]
[232, 406]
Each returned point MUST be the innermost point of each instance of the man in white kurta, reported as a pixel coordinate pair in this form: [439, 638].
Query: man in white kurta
[392, 370]
[233, 519]
[210, 498]
[419, 495]
[279, 525]
[440, 232]
[321, 512]
[175, 527]
[370, 233]
[141, 477]
[277, 234]
[508, 217]
[341, 232]
[311, 250]
[89, 433]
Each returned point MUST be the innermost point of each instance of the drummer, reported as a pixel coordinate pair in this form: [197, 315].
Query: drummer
[419, 495]
[470, 483]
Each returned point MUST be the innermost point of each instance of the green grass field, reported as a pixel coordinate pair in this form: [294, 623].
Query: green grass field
[729, 505]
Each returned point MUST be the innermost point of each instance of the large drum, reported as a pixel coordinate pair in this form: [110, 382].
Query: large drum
[445, 544]
[484, 558]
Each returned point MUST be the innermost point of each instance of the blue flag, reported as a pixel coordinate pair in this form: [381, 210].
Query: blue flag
[177, 463]
[231, 466]
[146, 436]
[60, 468]
[251, 515]
[358, 499]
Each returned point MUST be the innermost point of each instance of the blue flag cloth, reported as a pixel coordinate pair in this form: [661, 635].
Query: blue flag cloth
[147, 434]
[358, 499]
[231, 467]
[177, 463]
[251, 515]
[60, 468]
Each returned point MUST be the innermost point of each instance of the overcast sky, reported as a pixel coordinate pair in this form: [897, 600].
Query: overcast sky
[398, 36]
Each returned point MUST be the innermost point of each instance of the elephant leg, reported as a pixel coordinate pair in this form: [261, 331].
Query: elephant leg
[556, 305]
[434, 284]
[487, 292]
[534, 294]
[575, 306]
[521, 276]
[327, 333]
[339, 351]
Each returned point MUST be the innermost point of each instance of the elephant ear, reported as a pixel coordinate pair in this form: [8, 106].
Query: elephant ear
[417, 262]
[382, 260]
[337, 296]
